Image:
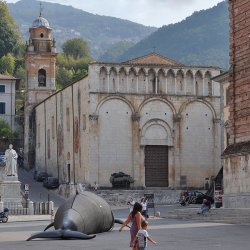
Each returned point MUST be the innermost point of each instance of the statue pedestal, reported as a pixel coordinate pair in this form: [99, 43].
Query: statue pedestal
[10, 189]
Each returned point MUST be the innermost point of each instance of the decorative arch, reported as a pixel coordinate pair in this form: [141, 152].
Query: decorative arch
[123, 80]
[170, 82]
[152, 84]
[189, 83]
[180, 82]
[142, 81]
[113, 138]
[113, 80]
[122, 69]
[132, 81]
[111, 97]
[159, 138]
[103, 79]
[185, 104]
[157, 99]
[161, 82]
[208, 84]
[198, 83]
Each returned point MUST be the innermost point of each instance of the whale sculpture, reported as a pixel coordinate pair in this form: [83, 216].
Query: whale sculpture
[80, 217]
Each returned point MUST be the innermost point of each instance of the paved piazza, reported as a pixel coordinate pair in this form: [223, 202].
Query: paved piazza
[170, 235]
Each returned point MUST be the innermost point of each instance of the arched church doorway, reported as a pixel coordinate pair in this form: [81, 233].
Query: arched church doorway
[156, 166]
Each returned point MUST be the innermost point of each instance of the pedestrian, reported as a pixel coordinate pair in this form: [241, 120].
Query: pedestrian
[205, 206]
[142, 236]
[144, 204]
[95, 186]
[131, 203]
[135, 217]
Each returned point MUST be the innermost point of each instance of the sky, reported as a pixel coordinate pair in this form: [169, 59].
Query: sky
[147, 12]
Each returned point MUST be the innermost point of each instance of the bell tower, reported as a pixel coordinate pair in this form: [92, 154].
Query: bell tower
[40, 66]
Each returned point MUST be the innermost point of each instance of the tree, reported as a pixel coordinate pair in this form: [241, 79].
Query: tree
[76, 47]
[5, 130]
[7, 64]
[9, 33]
[72, 65]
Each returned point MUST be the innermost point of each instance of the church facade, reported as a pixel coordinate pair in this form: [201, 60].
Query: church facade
[152, 118]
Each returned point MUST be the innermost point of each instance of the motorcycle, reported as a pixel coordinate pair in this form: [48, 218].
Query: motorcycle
[4, 215]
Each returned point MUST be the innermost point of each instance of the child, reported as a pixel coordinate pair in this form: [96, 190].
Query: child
[131, 203]
[142, 236]
[144, 204]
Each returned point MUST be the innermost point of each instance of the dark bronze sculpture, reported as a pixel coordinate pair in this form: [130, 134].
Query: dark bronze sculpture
[121, 180]
[80, 217]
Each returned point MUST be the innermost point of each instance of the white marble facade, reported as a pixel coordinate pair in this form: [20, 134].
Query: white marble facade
[104, 123]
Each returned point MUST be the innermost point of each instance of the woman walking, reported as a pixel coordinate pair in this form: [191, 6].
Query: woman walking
[135, 218]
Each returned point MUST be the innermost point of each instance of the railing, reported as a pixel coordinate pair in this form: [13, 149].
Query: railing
[28, 207]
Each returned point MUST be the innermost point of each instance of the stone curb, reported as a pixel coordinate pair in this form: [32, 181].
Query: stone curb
[25, 218]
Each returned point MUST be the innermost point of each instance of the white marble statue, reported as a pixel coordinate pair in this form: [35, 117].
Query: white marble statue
[11, 161]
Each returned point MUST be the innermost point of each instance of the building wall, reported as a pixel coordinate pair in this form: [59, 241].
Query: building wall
[105, 121]
[236, 155]
[61, 134]
[240, 73]
[190, 126]
[9, 98]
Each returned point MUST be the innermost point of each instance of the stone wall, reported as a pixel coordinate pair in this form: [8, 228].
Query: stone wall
[240, 70]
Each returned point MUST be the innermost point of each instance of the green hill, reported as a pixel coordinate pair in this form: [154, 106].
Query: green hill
[101, 32]
[201, 39]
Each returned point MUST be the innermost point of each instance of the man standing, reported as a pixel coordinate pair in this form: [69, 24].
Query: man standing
[11, 161]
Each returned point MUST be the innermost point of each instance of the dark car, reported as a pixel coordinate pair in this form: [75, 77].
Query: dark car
[2, 162]
[194, 197]
[40, 175]
[51, 182]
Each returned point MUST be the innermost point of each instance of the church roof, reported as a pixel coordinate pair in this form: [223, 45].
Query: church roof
[154, 59]
[40, 21]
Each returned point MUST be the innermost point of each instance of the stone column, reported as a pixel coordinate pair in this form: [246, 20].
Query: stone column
[185, 84]
[166, 84]
[137, 84]
[136, 168]
[108, 82]
[175, 85]
[146, 84]
[203, 86]
[156, 85]
[118, 82]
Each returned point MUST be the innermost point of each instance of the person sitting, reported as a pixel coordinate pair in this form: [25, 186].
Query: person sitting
[205, 206]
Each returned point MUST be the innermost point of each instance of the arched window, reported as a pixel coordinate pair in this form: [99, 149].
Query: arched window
[42, 78]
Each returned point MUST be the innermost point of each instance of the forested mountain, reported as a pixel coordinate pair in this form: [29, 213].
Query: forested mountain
[101, 32]
[201, 39]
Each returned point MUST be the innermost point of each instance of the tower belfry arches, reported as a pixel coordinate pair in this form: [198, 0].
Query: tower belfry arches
[40, 67]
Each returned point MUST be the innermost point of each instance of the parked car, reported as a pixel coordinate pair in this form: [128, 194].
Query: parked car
[40, 175]
[194, 197]
[51, 182]
[2, 162]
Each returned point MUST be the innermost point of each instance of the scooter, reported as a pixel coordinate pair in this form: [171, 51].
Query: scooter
[4, 215]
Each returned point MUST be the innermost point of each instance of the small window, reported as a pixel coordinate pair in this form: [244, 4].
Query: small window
[67, 119]
[41, 35]
[2, 88]
[53, 127]
[2, 108]
[42, 78]
[84, 122]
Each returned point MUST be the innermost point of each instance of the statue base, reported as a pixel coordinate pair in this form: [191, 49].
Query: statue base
[10, 190]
